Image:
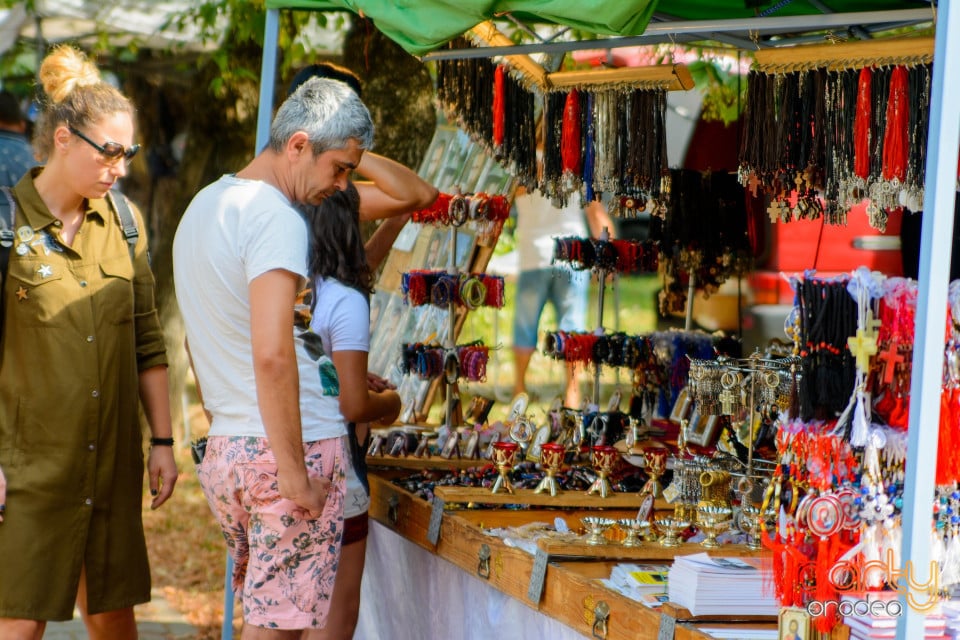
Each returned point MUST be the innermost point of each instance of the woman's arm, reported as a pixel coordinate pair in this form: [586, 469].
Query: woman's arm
[390, 189]
[357, 402]
[162, 467]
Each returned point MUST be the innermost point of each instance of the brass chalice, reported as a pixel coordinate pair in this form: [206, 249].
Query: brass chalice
[671, 528]
[603, 458]
[551, 459]
[712, 520]
[633, 528]
[504, 455]
[751, 521]
[597, 526]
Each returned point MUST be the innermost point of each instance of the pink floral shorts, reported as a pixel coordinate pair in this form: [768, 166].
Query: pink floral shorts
[284, 561]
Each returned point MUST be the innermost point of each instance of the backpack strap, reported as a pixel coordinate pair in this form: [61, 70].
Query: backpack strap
[129, 224]
[8, 214]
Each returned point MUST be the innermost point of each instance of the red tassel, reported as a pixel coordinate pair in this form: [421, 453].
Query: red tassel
[948, 463]
[825, 591]
[861, 125]
[571, 149]
[499, 109]
[897, 129]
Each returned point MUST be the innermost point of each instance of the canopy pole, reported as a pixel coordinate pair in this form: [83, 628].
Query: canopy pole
[268, 76]
[925, 387]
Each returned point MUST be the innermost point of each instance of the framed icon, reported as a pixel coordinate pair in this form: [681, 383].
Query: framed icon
[702, 430]
[794, 624]
[682, 407]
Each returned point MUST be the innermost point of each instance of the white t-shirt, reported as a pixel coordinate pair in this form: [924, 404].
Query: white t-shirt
[233, 231]
[539, 222]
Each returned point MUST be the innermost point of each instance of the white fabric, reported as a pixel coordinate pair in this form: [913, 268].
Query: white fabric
[341, 317]
[357, 499]
[233, 231]
[539, 222]
[439, 600]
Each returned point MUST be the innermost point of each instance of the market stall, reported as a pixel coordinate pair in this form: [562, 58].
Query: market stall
[850, 335]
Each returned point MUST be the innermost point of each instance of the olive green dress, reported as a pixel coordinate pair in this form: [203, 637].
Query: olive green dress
[79, 323]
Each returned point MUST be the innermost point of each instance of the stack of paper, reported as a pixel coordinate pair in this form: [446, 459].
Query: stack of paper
[725, 586]
[646, 583]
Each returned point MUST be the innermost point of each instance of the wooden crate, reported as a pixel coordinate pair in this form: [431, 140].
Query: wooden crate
[571, 591]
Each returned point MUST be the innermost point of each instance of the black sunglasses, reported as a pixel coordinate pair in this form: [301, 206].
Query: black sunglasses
[112, 151]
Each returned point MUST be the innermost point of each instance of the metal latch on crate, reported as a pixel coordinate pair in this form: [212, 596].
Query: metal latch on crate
[436, 519]
[393, 510]
[483, 561]
[601, 615]
[538, 575]
[668, 627]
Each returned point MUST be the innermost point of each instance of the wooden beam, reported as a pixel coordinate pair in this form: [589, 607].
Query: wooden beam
[488, 33]
[674, 77]
[847, 55]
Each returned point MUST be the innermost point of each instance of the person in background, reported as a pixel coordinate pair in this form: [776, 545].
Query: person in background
[82, 353]
[390, 192]
[273, 468]
[340, 317]
[16, 155]
[540, 280]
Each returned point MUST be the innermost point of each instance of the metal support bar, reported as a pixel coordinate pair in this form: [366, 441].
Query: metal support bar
[668, 32]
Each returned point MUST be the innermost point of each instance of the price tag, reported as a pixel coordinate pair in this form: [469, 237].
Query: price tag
[668, 627]
[436, 519]
[671, 493]
[538, 575]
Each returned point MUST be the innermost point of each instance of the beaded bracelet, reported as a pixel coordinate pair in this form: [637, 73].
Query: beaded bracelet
[442, 291]
[473, 292]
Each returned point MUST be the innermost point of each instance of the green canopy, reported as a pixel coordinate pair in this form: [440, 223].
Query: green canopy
[420, 26]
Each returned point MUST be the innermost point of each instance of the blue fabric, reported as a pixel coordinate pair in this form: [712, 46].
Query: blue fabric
[16, 158]
[563, 287]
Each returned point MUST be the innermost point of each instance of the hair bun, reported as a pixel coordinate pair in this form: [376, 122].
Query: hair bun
[64, 69]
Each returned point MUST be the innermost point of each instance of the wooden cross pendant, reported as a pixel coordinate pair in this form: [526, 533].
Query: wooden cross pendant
[862, 346]
[891, 358]
[753, 183]
[774, 211]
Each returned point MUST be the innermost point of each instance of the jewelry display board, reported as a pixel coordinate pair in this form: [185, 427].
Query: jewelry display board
[452, 162]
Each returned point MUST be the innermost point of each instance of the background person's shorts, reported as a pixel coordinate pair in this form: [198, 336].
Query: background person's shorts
[566, 290]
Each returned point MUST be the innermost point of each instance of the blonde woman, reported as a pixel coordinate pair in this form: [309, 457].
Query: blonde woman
[82, 350]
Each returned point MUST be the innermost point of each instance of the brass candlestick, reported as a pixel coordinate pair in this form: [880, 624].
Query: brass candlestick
[603, 457]
[551, 459]
[504, 455]
[656, 465]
